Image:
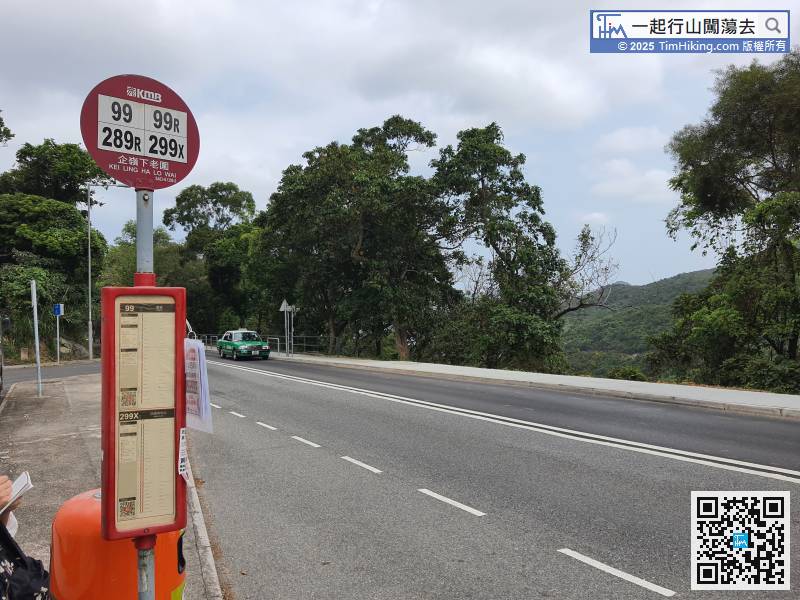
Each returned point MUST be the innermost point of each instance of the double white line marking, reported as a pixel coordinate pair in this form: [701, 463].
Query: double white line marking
[716, 462]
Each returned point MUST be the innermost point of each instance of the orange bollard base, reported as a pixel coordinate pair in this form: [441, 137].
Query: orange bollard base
[84, 566]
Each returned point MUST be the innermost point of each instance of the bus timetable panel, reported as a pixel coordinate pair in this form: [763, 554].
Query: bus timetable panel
[143, 410]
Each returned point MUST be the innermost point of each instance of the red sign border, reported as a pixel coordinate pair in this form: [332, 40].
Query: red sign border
[108, 296]
[117, 86]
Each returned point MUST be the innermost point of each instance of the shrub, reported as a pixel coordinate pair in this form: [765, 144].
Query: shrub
[629, 373]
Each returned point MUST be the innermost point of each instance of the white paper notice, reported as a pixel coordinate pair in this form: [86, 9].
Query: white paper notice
[198, 398]
[183, 457]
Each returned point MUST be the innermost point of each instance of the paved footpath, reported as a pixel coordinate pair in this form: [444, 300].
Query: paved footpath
[57, 439]
[739, 401]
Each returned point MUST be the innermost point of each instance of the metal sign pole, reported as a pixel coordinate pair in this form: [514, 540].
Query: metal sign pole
[292, 324]
[144, 231]
[89, 252]
[146, 564]
[58, 340]
[144, 264]
[36, 337]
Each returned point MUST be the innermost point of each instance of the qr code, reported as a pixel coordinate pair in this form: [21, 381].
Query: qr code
[127, 508]
[740, 540]
[127, 398]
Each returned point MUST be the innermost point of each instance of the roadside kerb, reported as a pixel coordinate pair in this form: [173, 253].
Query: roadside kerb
[208, 567]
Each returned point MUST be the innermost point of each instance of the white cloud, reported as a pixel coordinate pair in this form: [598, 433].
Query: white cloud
[627, 140]
[268, 80]
[592, 218]
[621, 179]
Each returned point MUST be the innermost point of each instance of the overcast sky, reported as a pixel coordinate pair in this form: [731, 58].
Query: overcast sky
[270, 80]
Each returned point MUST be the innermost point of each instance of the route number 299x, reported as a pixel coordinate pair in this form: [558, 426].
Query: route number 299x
[164, 146]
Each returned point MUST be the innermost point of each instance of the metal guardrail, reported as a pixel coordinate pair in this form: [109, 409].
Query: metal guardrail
[301, 343]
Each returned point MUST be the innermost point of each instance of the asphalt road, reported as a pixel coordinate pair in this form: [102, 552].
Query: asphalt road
[465, 505]
[13, 374]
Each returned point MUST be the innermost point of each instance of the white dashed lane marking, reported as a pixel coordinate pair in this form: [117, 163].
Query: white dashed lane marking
[266, 426]
[235, 414]
[452, 502]
[305, 441]
[617, 573]
[361, 464]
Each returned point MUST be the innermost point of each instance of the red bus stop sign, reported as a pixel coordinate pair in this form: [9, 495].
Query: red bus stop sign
[140, 132]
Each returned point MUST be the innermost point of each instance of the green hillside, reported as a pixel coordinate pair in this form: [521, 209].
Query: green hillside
[598, 339]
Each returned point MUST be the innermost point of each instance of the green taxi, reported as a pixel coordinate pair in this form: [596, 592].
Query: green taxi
[242, 343]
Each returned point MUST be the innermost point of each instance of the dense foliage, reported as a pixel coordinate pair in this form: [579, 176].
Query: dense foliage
[43, 236]
[738, 173]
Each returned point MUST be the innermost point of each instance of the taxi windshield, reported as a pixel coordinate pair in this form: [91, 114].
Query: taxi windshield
[250, 336]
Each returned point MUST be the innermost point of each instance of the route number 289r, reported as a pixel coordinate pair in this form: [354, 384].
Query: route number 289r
[121, 139]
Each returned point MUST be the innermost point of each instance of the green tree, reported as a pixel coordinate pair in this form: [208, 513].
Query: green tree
[224, 260]
[172, 268]
[204, 212]
[738, 173]
[307, 238]
[5, 132]
[53, 286]
[47, 228]
[120, 263]
[353, 238]
[55, 171]
[399, 237]
[493, 203]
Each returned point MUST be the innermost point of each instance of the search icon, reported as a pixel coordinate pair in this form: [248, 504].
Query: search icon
[772, 25]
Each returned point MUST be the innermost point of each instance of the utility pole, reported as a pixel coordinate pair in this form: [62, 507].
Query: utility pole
[36, 337]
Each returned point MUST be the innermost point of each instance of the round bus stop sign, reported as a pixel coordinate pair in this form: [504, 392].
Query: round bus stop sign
[140, 132]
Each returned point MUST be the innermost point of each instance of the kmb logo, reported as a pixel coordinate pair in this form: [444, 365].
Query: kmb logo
[143, 94]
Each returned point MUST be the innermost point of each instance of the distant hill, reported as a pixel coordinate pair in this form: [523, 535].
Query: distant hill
[598, 339]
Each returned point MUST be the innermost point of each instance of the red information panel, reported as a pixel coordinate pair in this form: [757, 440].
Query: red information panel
[139, 132]
[143, 411]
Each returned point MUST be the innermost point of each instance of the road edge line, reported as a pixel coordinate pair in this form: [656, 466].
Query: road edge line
[208, 566]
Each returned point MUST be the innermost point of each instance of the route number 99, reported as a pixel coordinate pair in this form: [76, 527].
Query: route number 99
[121, 111]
